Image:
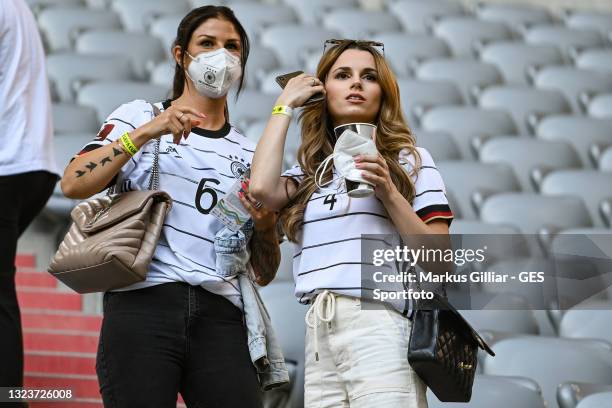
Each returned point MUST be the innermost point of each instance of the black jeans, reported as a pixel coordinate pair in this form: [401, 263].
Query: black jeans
[170, 338]
[22, 197]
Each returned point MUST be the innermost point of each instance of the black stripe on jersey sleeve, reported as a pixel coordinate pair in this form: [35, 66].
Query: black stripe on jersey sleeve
[345, 215]
[429, 191]
[122, 121]
[432, 212]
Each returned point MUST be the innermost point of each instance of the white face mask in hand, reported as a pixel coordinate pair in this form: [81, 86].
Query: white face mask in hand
[213, 73]
[348, 145]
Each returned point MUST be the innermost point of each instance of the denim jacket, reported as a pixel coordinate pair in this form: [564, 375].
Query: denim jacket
[232, 258]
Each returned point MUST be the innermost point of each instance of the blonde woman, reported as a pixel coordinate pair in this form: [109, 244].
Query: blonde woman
[357, 358]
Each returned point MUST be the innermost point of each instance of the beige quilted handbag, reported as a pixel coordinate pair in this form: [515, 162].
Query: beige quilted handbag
[112, 239]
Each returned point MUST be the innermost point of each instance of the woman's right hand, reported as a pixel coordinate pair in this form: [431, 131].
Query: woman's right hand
[299, 89]
[177, 120]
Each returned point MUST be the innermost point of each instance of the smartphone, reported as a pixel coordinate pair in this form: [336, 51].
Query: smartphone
[284, 78]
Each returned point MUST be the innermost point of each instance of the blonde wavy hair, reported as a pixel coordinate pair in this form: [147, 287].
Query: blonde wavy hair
[392, 135]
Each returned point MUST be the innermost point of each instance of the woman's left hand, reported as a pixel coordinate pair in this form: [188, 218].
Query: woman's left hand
[263, 218]
[375, 171]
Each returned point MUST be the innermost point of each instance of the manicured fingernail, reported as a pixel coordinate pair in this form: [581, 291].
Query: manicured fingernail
[202, 115]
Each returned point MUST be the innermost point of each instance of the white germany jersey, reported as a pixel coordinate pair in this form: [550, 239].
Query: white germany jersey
[196, 173]
[328, 254]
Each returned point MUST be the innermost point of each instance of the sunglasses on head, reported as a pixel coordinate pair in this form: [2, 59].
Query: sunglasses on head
[334, 42]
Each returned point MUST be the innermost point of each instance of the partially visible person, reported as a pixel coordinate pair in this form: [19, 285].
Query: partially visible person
[27, 166]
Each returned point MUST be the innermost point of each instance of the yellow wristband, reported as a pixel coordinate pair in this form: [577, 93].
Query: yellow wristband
[282, 110]
[128, 145]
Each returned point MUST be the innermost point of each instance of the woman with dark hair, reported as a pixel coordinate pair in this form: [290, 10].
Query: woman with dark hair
[182, 329]
[354, 357]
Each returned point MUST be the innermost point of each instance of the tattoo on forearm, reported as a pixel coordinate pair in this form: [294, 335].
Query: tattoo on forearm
[91, 166]
[265, 255]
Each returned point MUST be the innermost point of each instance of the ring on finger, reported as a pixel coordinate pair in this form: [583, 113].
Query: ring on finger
[181, 117]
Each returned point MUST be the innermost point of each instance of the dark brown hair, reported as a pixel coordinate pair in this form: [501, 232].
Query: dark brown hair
[185, 30]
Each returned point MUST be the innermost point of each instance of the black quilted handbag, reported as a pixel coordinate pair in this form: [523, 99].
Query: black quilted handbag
[443, 348]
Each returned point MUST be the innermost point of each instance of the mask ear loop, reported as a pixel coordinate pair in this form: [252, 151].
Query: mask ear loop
[319, 179]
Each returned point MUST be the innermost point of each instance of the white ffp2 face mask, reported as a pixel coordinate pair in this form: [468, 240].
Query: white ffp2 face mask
[213, 73]
[348, 145]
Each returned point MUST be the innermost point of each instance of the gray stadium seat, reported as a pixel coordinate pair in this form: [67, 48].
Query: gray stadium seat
[471, 227]
[69, 71]
[287, 317]
[465, 124]
[467, 179]
[593, 321]
[468, 75]
[360, 24]
[405, 51]
[566, 39]
[515, 15]
[251, 106]
[594, 20]
[39, 5]
[290, 42]
[465, 34]
[440, 145]
[66, 147]
[524, 104]
[70, 118]
[599, 59]
[285, 269]
[268, 84]
[261, 60]
[505, 321]
[603, 399]
[256, 16]
[569, 394]
[530, 158]
[605, 161]
[573, 82]
[591, 185]
[60, 25]
[311, 12]
[106, 96]
[581, 132]
[530, 212]
[416, 16]
[552, 361]
[142, 50]
[600, 106]
[163, 74]
[292, 142]
[513, 59]
[136, 15]
[417, 96]
[164, 27]
[499, 392]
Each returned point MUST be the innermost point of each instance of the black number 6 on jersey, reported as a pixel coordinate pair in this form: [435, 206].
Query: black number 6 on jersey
[203, 190]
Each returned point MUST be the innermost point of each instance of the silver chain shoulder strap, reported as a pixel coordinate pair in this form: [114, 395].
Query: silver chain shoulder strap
[154, 179]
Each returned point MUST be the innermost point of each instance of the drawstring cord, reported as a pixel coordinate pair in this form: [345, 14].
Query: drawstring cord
[322, 310]
[319, 179]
